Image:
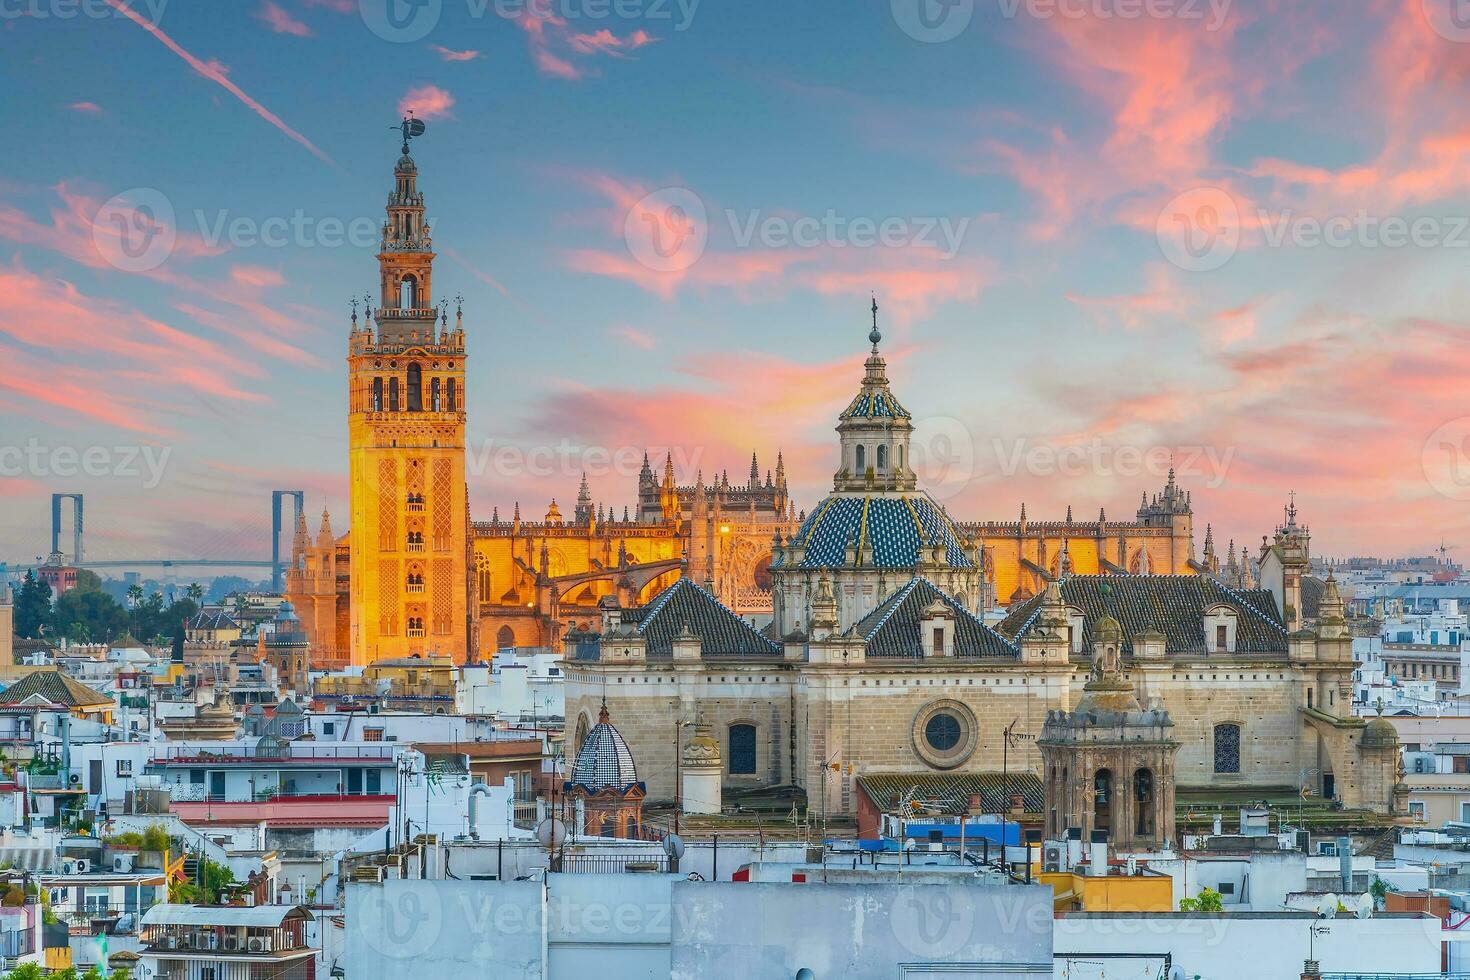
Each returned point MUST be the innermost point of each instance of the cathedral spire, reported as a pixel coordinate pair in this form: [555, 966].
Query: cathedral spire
[755, 471]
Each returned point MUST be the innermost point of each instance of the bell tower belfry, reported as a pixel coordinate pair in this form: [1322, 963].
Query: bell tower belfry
[406, 389]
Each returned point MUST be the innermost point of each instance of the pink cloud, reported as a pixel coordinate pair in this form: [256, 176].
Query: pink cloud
[449, 54]
[631, 335]
[427, 102]
[554, 44]
[90, 108]
[215, 72]
[279, 20]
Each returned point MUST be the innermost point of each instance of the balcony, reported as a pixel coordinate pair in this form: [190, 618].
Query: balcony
[417, 634]
[414, 546]
[415, 587]
[414, 504]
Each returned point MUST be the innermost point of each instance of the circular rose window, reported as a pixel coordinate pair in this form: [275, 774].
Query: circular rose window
[945, 734]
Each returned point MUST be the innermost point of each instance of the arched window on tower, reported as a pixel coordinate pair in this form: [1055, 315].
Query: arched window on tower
[862, 458]
[1102, 800]
[415, 387]
[882, 459]
[505, 638]
[1143, 795]
[898, 458]
[434, 395]
[408, 293]
[452, 402]
[377, 394]
[392, 394]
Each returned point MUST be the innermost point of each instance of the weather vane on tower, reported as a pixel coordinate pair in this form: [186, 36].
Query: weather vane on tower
[411, 128]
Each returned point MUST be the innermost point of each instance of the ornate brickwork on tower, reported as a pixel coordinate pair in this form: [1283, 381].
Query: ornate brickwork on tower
[409, 584]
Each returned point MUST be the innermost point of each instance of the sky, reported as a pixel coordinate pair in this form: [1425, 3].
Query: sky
[1102, 234]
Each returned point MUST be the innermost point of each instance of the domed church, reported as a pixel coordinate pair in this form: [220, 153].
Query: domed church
[878, 667]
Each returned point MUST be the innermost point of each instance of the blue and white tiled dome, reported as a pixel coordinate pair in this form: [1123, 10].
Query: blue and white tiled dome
[604, 759]
[896, 527]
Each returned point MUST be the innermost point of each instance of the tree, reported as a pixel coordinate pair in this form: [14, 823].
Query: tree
[32, 607]
[27, 971]
[88, 580]
[87, 615]
[1209, 900]
[206, 889]
[195, 592]
[135, 595]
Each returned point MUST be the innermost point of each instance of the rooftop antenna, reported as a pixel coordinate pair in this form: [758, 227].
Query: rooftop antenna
[411, 128]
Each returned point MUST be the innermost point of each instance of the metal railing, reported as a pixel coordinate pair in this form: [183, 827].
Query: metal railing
[615, 864]
[15, 944]
[203, 755]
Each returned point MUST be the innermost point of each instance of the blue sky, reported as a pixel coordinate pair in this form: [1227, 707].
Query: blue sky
[1039, 174]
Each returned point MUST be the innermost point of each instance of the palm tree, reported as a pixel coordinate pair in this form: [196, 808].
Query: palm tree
[195, 591]
[135, 595]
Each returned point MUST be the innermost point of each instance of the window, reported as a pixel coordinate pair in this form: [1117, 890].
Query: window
[408, 295]
[1227, 748]
[372, 734]
[374, 780]
[882, 459]
[435, 401]
[862, 458]
[1222, 633]
[415, 387]
[938, 641]
[1465, 812]
[392, 394]
[1416, 810]
[1226, 888]
[742, 750]
[329, 728]
[377, 394]
[451, 396]
[125, 767]
[942, 732]
[505, 638]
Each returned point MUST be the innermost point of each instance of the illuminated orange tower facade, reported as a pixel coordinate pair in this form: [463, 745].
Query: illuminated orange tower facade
[406, 431]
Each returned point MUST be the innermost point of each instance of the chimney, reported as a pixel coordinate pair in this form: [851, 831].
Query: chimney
[1345, 863]
[1074, 847]
[1311, 970]
[1097, 859]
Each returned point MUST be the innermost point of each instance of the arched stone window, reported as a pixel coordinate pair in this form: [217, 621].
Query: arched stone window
[452, 407]
[1143, 796]
[392, 394]
[415, 387]
[882, 459]
[1227, 748]
[862, 458]
[505, 638]
[742, 750]
[377, 394]
[1102, 799]
[434, 396]
[408, 293]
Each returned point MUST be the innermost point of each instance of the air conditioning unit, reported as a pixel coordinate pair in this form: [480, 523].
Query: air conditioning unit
[1053, 856]
[68, 867]
[211, 940]
[232, 944]
[123, 862]
[170, 942]
[256, 945]
[83, 865]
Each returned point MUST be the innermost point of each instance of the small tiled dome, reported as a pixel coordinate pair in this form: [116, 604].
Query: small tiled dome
[604, 759]
[895, 526]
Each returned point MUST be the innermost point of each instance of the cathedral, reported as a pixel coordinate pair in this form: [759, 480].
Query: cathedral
[870, 635]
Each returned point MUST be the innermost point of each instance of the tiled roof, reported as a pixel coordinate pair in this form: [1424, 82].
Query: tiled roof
[217, 619]
[1173, 605]
[895, 527]
[604, 760]
[892, 630]
[875, 404]
[950, 792]
[1312, 590]
[686, 605]
[55, 687]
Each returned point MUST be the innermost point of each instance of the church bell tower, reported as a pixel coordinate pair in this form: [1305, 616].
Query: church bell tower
[406, 391]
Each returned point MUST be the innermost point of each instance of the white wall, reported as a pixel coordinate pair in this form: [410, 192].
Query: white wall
[1230, 946]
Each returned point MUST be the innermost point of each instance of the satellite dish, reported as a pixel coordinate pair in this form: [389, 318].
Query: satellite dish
[1365, 906]
[674, 846]
[1327, 907]
[552, 833]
